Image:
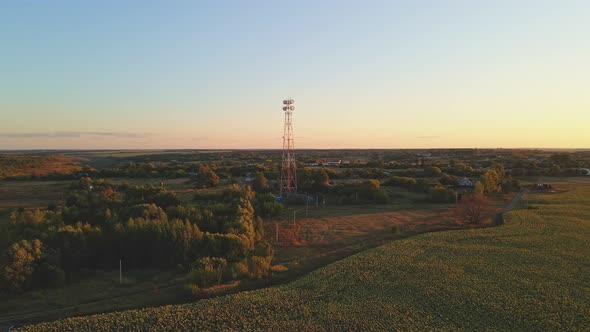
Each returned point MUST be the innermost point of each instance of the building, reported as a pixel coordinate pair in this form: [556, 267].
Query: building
[249, 182]
[332, 163]
[465, 182]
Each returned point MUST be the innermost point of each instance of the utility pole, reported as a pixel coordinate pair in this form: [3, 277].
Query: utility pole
[294, 216]
[120, 272]
[306, 205]
[276, 232]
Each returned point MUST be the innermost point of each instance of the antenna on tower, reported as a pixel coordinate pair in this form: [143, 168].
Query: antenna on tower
[288, 166]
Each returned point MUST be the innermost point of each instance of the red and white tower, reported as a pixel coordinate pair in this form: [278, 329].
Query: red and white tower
[288, 167]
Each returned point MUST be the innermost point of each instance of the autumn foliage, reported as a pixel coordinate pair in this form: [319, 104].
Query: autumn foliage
[473, 209]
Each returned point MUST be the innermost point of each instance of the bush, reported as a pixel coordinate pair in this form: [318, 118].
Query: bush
[473, 208]
[207, 270]
[236, 271]
[432, 171]
[194, 290]
[47, 275]
[448, 180]
[259, 266]
[364, 192]
[400, 181]
[441, 194]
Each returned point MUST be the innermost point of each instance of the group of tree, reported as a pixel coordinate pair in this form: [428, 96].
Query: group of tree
[204, 177]
[144, 226]
[368, 191]
[435, 191]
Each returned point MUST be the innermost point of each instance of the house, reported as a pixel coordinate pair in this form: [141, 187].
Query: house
[248, 182]
[465, 182]
[331, 163]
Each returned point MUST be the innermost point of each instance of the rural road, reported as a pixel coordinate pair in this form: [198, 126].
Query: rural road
[499, 218]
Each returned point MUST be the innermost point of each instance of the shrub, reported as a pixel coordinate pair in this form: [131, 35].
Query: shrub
[400, 181]
[236, 271]
[207, 270]
[441, 194]
[259, 266]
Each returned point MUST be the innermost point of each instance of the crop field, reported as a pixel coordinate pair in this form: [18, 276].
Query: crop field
[532, 273]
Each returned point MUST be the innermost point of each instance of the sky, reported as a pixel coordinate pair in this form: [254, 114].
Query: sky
[363, 74]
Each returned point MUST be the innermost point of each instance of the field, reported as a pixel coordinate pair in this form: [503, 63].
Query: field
[16, 165]
[532, 273]
[97, 293]
[32, 194]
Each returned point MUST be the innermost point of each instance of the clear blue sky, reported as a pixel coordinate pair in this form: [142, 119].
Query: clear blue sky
[374, 74]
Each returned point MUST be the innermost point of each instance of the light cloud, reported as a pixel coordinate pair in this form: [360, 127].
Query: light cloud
[74, 134]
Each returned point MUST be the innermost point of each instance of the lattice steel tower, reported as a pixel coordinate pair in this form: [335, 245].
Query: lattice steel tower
[288, 167]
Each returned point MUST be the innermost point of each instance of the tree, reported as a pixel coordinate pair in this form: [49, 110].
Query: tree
[510, 184]
[492, 181]
[205, 177]
[208, 270]
[555, 170]
[561, 158]
[320, 179]
[266, 206]
[440, 194]
[432, 171]
[260, 266]
[448, 180]
[21, 258]
[479, 188]
[473, 208]
[260, 183]
[499, 168]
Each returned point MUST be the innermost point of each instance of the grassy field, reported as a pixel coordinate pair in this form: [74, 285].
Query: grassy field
[532, 273]
[97, 293]
[32, 194]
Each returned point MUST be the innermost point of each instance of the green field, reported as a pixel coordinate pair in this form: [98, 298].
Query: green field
[532, 273]
[96, 293]
[32, 194]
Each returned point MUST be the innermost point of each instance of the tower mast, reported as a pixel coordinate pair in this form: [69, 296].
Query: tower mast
[288, 167]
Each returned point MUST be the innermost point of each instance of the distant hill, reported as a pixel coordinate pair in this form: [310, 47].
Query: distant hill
[529, 274]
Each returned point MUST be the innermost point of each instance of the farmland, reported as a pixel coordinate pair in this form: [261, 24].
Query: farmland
[529, 274]
[19, 165]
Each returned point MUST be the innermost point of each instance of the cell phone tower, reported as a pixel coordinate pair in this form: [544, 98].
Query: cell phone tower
[288, 167]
